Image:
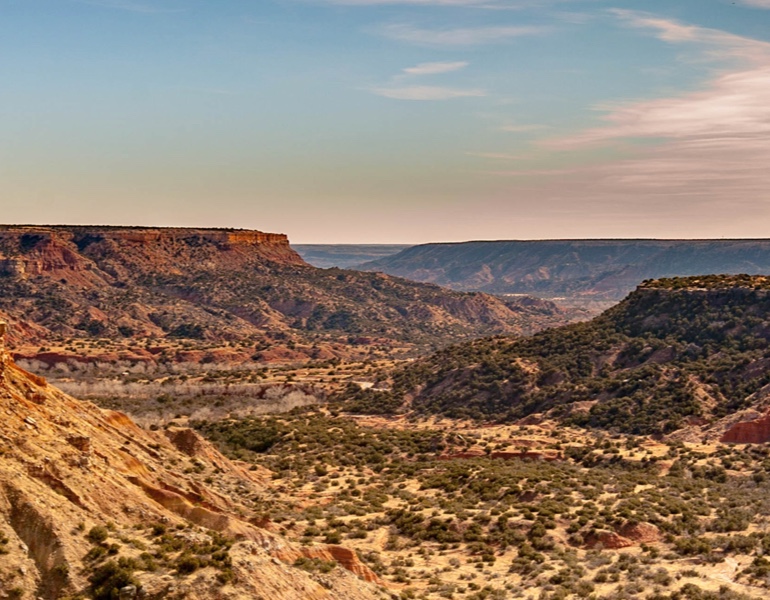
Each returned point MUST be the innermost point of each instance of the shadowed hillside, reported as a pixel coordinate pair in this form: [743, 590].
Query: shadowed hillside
[676, 352]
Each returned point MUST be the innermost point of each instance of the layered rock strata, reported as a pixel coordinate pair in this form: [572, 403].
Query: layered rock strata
[66, 467]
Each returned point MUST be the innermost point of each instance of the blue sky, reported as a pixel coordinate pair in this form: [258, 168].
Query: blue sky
[399, 121]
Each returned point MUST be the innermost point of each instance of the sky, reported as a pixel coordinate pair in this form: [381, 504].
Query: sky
[389, 121]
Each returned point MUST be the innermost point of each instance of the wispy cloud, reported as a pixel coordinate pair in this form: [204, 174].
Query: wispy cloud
[403, 86]
[491, 4]
[414, 2]
[709, 147]
[464, 36]
[435, 68]
[756, 3]
[129, 5]
[499, 155]
[426, 92]
[714, 44]
[734, 104]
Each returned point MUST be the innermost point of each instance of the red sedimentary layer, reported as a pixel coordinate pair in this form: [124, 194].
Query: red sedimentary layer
[62, 252]
[608, 540]
[749, 432]
[628, 534]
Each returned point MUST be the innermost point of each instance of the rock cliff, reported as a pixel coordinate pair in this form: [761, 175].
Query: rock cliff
[89, 255]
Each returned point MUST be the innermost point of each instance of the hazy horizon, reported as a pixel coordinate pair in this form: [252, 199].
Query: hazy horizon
[294, 242]
[390, 121]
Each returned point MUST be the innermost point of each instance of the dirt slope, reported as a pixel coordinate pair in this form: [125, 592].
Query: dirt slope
[67, 467]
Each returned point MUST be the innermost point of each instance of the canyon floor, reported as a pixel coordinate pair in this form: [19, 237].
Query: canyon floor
[441, 509]
[316, 502]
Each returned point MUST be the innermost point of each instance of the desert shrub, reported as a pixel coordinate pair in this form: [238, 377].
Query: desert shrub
[97, 534]
[109, 578]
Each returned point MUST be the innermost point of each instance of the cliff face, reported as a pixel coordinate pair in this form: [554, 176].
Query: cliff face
[67, 467]
[94, 255]
[748, 432]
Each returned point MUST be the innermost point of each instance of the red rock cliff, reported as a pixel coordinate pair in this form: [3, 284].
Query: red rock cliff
[89, 255]
[749, 432]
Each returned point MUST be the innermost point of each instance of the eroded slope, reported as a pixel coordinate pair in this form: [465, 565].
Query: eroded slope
[90, 502]
[224, 285]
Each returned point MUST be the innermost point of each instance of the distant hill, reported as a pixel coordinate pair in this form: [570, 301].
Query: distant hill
[675, 353]
[575, 269]
[345, 256]
[216, 285]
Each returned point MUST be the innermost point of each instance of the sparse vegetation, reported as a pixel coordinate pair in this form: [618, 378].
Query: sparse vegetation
[539, 524]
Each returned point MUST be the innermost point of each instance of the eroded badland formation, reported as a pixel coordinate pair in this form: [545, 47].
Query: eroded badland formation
[90, 502]
[227, 286]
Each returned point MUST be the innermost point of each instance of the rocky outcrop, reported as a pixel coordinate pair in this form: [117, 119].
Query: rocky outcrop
[608, 540]
[344, 557]
[756, 431]
[627, 535]
[67, 466]
[640, 533]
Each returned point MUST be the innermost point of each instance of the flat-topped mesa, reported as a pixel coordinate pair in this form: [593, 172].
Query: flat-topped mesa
[159, 235]
[73, 253]
[28, 235]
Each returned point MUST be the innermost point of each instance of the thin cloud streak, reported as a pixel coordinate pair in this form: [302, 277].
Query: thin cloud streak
[720, 45]
[734, 104]
[426, 92]
[465, 36]
[522, 128]
[471, 3]
[487, 4]
[128, 5]
[435, 68]
[499, 155]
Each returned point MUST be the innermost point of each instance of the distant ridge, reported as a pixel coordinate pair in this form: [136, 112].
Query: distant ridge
[345, 256]
[590, 269]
